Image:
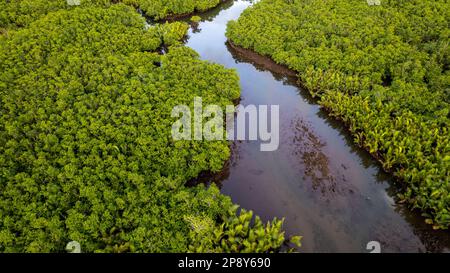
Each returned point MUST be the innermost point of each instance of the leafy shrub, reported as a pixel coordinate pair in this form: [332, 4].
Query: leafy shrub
[162, 8]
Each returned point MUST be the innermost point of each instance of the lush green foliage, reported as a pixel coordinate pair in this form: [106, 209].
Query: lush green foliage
[196, 19]
[237, 234]
[384, 70]
[86, 152]
[19, 13]
[160, 9]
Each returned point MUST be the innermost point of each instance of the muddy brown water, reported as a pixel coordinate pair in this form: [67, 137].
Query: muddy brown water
[328, 190]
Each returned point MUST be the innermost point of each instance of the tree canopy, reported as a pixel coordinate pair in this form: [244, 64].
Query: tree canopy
[20, 13]
[382, 69]
[86, 152]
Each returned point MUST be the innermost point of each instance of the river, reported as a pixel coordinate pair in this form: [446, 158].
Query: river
[328, 190]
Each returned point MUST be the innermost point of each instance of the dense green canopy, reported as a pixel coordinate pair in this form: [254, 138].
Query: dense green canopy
[160, 9]
[19, 13]
[384, 70]
[86, 152]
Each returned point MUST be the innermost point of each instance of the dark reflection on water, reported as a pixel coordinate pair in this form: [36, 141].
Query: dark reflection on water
[329, 190]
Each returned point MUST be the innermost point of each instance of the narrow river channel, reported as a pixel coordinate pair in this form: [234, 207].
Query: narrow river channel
[327, 189]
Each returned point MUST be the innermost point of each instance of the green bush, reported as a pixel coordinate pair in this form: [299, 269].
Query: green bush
[162, 8]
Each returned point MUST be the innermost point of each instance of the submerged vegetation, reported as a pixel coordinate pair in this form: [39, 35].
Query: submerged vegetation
[384, 70]
[86, 152]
